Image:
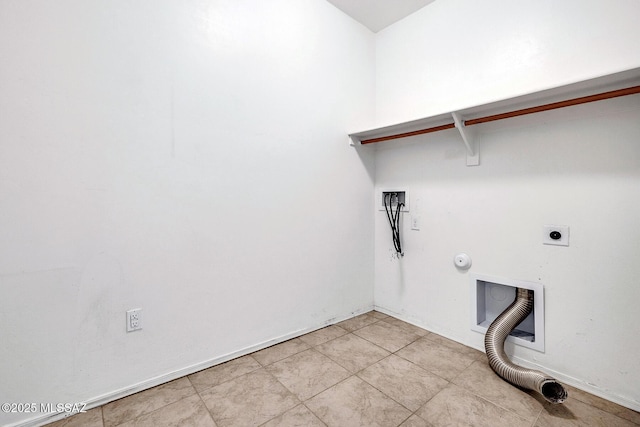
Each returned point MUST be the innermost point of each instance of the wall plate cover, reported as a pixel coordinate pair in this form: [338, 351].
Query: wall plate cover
[134, 319]
[415, 222]
[555, 235]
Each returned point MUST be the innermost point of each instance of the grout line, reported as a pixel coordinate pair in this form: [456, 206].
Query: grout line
[227, 380]
[533, 424]
[300, 402]
[205, 407]
[314, 414]
[322, 391]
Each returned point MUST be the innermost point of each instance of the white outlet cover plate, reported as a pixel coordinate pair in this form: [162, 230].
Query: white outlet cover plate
[131, 325]
[562, 229]
[415, 222]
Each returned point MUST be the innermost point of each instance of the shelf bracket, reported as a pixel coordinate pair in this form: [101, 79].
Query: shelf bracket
[471, 143]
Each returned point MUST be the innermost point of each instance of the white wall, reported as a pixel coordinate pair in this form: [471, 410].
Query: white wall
[459, 53]
[185, 157]
[578, 167]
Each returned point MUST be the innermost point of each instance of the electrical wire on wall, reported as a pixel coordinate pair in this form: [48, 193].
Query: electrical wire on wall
[394, 219]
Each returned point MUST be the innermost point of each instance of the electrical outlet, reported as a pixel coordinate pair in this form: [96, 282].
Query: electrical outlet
[555, 235]
[134, 319]
[415, 222]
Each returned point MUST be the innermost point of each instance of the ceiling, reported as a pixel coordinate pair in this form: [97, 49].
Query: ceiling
[378, 14]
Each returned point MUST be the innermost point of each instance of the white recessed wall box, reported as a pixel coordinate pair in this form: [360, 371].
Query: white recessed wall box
[393, 196]
[490, 296]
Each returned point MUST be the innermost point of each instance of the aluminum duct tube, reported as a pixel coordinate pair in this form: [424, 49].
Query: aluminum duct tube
[494, 339]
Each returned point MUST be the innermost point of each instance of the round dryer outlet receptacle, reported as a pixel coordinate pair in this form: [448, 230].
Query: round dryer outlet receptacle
[462, 261]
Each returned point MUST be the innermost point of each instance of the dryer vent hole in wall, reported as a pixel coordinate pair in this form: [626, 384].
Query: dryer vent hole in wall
[491, 296]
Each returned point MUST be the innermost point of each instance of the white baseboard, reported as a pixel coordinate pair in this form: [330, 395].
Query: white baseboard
[579, 384]
[170, 376]
[563, 378]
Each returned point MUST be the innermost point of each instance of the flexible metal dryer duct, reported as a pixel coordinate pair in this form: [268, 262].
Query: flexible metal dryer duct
[494, 339]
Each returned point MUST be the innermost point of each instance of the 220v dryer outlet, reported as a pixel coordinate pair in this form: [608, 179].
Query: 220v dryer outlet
[555, 235]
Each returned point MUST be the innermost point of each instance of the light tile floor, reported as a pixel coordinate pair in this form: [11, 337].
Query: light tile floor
[372, 370]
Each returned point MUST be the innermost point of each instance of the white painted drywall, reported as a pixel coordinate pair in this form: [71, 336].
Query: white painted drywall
[186, 157]
[460, 53]
[578, 167]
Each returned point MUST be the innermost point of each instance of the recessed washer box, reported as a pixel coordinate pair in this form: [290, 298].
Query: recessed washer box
[401, 196]
[490, 296]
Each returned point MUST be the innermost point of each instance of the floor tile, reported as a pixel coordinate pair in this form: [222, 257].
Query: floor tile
[224, 372]
[339, 378]
[456, 346]
[576, 413]
[354, 403]
[403, 381]
[435, 358]
[300, 416]
[308, 373]
[455, 406]
[605, 405]
[91, 418]
[387, 336]
[323, 335]
[280, 351]
[415, 421]
[188, 412]
[357, 322]
[406, 326]
[147, 401]
[378, 315]
[249, 400]
[480, 379]
[352, 352]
